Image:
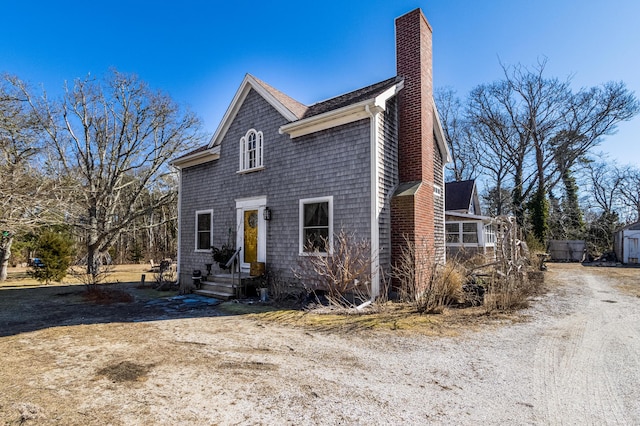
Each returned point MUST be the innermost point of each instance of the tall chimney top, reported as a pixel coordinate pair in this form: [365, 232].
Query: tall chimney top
[414, 65]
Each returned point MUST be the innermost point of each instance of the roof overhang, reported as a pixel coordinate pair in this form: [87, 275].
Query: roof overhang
[340, 116]
[468, 216]
[440, 138]
[200, 157]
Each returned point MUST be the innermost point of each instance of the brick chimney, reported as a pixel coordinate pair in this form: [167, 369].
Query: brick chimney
[412, 208]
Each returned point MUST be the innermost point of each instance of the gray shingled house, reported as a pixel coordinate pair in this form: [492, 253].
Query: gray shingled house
[278, 175]
[469, 233]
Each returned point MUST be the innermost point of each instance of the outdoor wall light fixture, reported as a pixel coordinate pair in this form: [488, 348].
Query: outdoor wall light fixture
[266, 214]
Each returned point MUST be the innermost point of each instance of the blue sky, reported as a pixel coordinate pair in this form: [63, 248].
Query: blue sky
[199, 51]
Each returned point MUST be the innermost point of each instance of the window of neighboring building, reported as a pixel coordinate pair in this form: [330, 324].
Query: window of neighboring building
[316, 225]
[453, 232]
[469, 233]
[204, 229]
[251, 151]
[490, 234]
[462, 233]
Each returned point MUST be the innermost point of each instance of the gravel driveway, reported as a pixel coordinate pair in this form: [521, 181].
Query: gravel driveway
[573, 359]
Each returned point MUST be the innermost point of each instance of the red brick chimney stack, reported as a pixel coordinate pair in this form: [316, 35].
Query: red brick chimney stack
[412, 207]
[414, 64]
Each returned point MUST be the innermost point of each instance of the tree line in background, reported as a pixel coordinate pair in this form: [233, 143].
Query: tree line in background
[531, 140]
[91, 165]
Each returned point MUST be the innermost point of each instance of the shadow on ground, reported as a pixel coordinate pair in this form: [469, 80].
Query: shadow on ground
[33, 308]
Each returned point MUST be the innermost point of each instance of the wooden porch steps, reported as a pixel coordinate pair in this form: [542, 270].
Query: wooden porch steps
[220, 286]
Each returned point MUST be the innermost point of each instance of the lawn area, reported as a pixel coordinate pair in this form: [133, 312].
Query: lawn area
[19, 277]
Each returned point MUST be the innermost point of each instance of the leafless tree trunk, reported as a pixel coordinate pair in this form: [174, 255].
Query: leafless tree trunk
[543, 128]
[115, 138]
[28, 197]
[629, 180]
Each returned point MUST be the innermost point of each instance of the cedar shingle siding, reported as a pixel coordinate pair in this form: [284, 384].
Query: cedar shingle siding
[332, 162]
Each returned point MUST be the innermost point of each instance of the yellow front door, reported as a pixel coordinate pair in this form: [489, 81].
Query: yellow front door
[250, 236]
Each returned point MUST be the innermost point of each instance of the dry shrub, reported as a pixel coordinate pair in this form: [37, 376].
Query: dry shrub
[343, 274]
[166, 277]
[99, 274]
[510, 288]
[106, 296]
[425, 282]
[283, 290]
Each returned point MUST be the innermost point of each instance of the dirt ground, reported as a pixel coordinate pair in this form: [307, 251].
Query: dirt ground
[573, 357]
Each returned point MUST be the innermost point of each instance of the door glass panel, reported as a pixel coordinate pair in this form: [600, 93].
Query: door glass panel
[250, 236]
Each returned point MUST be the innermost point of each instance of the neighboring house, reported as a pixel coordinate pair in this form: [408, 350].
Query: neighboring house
[626, 243]
[278, 176]
[468, 232]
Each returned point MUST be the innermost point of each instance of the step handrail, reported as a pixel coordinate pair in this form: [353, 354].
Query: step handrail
[236, 258]
[235, 255]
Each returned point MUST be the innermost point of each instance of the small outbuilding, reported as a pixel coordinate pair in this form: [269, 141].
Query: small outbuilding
[567, 250]
[626, 243]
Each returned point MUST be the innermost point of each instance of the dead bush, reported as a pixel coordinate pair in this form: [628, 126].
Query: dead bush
[343, 274]
[426, 283]
[99, 274]
[166, 277]
[104, 295]
[282, 290]
[510, 288]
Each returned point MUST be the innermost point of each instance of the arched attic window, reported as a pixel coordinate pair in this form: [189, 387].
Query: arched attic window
[251, 151]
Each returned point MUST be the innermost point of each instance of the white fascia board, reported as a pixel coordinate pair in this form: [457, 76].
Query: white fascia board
[327, 120]
[201, 157]
[247, 83]
[475, 217]
[338, 117]
[442, 141]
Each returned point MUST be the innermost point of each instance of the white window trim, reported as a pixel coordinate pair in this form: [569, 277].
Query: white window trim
[461, 243]
[489, 230]
[437, 190]
[302, 202]
[199, 212]
[244, 159]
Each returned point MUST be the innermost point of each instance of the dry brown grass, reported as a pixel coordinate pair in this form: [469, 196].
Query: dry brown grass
[628, 279]
[18, 277]
[399, 318]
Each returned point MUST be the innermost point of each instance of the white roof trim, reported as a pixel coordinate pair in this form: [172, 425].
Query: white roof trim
[201, 157]
[470, 216]
[440, 139]
[340, 116]
[249, 82]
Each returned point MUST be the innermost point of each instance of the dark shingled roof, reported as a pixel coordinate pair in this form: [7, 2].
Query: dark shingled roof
[457, 195]
[350, 98]
[195, 151]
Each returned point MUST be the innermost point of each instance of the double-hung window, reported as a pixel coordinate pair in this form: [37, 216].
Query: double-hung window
[453, 232]
[316, 225]
[469, 233]
[465, 233]
[204, 230]
[251, 151]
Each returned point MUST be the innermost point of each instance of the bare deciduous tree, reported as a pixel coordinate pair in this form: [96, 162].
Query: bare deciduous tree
[27, 196]
[464, 164]
[114, 138]
[629, 181]
[543, 128]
